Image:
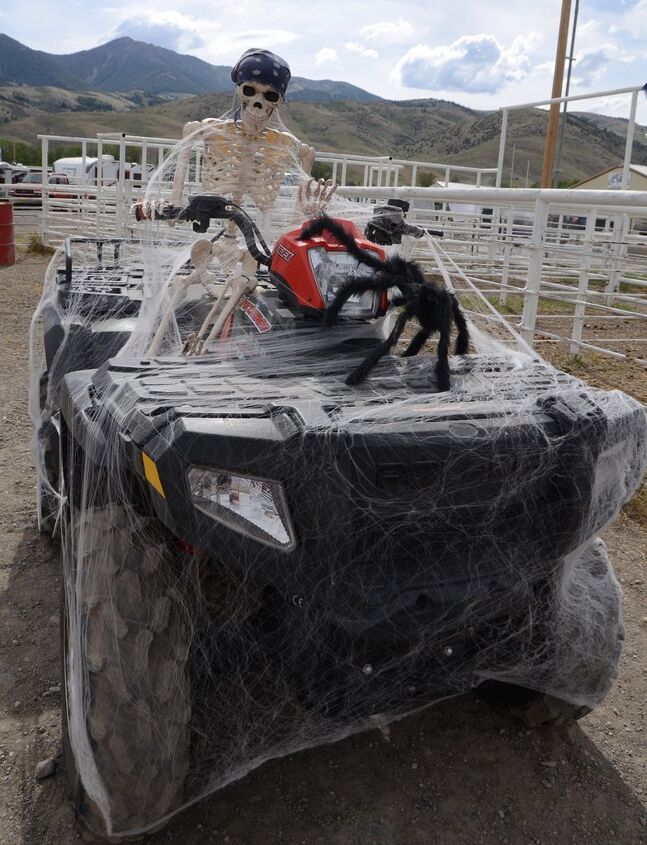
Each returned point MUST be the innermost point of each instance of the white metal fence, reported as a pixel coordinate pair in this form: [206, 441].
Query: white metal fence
[562, 265]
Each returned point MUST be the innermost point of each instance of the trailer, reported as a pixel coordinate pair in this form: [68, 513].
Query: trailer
[84, 170]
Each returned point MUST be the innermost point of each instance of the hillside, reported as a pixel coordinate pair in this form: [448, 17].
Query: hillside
[426, 130]
[125, 65]
[126, 85]
[22, 65]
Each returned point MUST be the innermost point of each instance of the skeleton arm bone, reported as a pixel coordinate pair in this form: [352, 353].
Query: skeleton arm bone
[306, 156]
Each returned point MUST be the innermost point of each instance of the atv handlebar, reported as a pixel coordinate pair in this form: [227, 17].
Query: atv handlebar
[203, 208]
[388, 226]
[418, 231]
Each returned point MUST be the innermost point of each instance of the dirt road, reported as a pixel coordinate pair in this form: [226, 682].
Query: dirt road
[457, 773]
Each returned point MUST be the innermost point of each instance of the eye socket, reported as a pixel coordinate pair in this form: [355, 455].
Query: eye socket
[249, 90]
[271, 96]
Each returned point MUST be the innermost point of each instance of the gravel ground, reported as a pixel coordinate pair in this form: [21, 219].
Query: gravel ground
[456, 773]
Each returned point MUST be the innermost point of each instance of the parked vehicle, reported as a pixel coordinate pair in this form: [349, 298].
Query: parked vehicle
[29, 187]
[260, 557]
[85, 171]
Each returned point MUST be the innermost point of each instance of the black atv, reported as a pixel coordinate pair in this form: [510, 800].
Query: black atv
[259, 558]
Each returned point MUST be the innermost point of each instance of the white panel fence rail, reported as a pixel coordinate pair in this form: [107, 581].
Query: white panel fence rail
[561, 265]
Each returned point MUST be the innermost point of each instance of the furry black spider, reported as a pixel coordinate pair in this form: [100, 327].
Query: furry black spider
[434, 307]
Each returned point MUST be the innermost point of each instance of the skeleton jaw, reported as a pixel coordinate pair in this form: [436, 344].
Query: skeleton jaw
[254, 123]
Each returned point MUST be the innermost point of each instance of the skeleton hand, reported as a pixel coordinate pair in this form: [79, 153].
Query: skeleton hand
[152, 210]
[313, 196]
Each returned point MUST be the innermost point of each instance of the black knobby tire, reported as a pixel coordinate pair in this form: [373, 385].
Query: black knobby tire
[47, 501]
[532, 707]
[134, 633]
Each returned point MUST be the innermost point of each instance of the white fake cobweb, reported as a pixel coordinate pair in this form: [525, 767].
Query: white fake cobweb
[259, 558]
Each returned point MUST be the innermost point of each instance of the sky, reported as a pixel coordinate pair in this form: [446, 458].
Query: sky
[483, 55]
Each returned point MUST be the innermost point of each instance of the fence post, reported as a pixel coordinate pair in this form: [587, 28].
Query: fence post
[583, 282]
[631, 127]
[531, 292]
[502, 140]
[619, 252]
[44, 209]
[507, 249]
[120, 223]
[101, 209]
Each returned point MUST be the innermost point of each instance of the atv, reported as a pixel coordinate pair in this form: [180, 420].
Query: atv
[260, 557]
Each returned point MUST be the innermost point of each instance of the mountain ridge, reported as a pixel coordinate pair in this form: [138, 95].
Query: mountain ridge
[124, 64]
[328, 114]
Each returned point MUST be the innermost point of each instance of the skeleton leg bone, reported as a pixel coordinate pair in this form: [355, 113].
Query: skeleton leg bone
[201, 253]
[237, 287]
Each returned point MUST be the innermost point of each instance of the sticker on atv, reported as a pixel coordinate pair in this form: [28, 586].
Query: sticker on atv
[255, 315]
[284, 252]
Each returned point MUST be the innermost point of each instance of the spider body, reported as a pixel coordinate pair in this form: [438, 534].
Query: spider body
[434, 307]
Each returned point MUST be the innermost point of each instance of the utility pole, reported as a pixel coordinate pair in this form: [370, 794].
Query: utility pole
[562, 125]
[558, 80]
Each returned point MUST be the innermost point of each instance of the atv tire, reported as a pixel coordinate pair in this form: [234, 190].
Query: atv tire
[134, 634]
[47, 500]
[533, 708]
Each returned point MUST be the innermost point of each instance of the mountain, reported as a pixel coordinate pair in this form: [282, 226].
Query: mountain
[327, 91]
[142, 89]
[423, 130]
[606, 123]
[20, 65]
[126, 65]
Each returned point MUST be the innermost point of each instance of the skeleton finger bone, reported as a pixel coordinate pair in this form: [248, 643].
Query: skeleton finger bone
[313, 196]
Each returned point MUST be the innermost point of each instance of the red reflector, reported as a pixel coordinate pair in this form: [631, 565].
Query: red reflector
[187, 548]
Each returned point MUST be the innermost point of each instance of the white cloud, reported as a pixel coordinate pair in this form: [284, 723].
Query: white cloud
[166, 29]
[207, 39]
[389, 32]
[326, 54]
[227, 47]
[367, 52]
[634, 20]
[591, 65]
[473, 63]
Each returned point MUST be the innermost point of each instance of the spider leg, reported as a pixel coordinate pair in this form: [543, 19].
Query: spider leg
[327, 224]
[442, 365]
[463, 339]
[360, 372]
[418, 341]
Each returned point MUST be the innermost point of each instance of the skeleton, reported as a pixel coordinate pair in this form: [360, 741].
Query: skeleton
[242, 157]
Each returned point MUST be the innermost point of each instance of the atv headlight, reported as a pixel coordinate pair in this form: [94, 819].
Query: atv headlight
[252, 506]
[332, 270]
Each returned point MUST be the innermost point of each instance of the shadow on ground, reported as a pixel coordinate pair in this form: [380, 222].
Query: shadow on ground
[457, 773]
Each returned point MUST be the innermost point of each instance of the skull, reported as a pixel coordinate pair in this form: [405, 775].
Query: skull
[257, 102]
